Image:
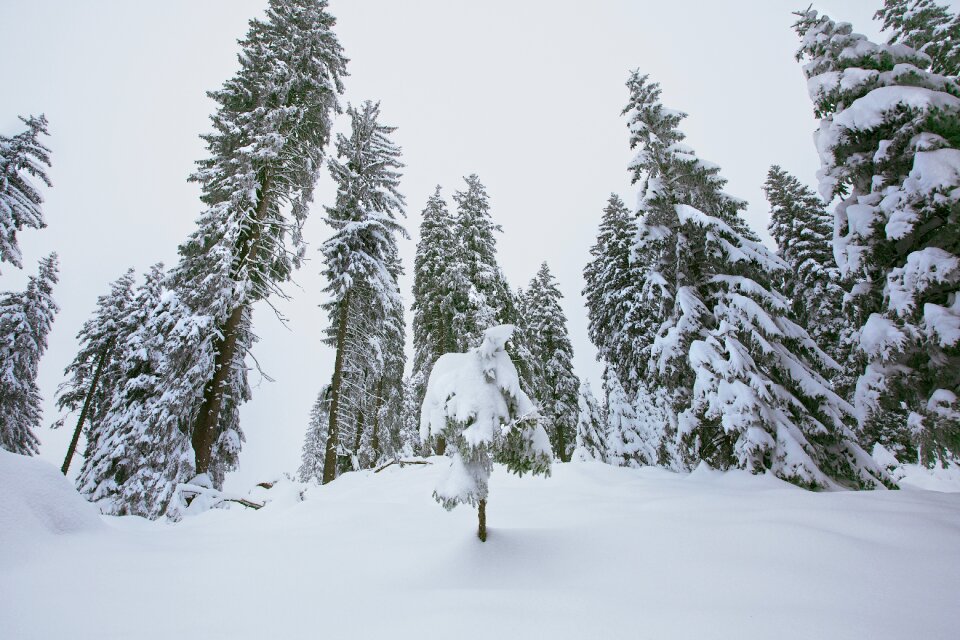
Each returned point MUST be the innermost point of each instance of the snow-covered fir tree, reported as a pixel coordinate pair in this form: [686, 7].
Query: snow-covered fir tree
[555, 386]
[926, 26]
[475, 401]
[25, 321]
[178, 414]
[744, 380]
[610, 292]
[634, 435]
[803, 231]
[93, 374]
[437, 280]
[591, 441]
[410, 444]
[888, 143]
[487, 300]
[315, 440]
[361, 268]
[265, 154]
[136, 455]
[22, 158]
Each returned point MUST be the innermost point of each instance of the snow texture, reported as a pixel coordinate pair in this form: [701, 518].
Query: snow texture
[594, 552]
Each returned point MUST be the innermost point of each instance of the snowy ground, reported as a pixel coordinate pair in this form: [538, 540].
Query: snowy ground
[592, 552]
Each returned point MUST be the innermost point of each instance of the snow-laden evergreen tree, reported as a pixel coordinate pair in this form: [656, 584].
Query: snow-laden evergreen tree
[361, 268]
[555, 386]
[610, 289]
[22, 158]
[93, 374]
[178, 414]
[487, 300]
[475, 401]
[591, 427]
[315, 440]
[410, 444]
[889, 143]
[803, 231]
[265, 154]
[635, 435]
[136, 457]
[437, 280]
[926, 26]
[744, 380]
[25, 320]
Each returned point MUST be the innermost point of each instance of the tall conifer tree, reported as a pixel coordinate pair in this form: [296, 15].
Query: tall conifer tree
[744, 379]
[92, 375]
[890, 151]
[555, 386]
[803, 231]
[25, 321]
[361, 268]
[22, 157]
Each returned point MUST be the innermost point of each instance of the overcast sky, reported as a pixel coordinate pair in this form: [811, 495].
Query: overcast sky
[525, 94]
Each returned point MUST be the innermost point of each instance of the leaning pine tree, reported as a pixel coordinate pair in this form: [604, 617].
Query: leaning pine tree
[889, 143]
[92, 375]
[360, 257]
[475, 402]
[745, 380]
[269, 133]
[130, 466]
[555, 386]
[25, 321]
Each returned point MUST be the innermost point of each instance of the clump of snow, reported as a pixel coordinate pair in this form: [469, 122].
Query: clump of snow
[37, 501]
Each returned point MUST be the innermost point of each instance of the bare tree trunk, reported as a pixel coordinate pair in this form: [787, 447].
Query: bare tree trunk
[330, 456]
[72, 449]
[482, 514]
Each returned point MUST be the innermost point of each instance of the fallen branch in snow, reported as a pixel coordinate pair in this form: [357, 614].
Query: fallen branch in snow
[213, 497]
[401, 463]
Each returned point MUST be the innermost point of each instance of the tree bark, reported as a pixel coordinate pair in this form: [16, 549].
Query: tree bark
[206, 425]
[482, 514]
[375, 436]
[72, 449]
[330, 456]
[208, 420]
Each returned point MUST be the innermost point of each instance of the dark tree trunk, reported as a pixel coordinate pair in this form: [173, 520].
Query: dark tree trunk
[207, 424]
[375, 436]
[72, 449]
[561, 445]
[330, 456]
[482, 514]
[208, 420]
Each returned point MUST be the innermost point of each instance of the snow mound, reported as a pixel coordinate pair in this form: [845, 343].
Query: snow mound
[37, 500]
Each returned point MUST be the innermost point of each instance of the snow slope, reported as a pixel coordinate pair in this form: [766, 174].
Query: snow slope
[592, 552]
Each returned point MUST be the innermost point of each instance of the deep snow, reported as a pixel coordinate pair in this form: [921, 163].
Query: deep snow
[592, 552]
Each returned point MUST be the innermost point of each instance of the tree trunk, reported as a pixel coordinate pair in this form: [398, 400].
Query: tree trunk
[375, 436]
[482, 514]
[330, 456]
[561, 444]
[208, 420]
[104, 356]
[206, 426]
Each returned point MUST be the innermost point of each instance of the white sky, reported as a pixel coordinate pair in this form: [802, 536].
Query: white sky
[527, 95]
